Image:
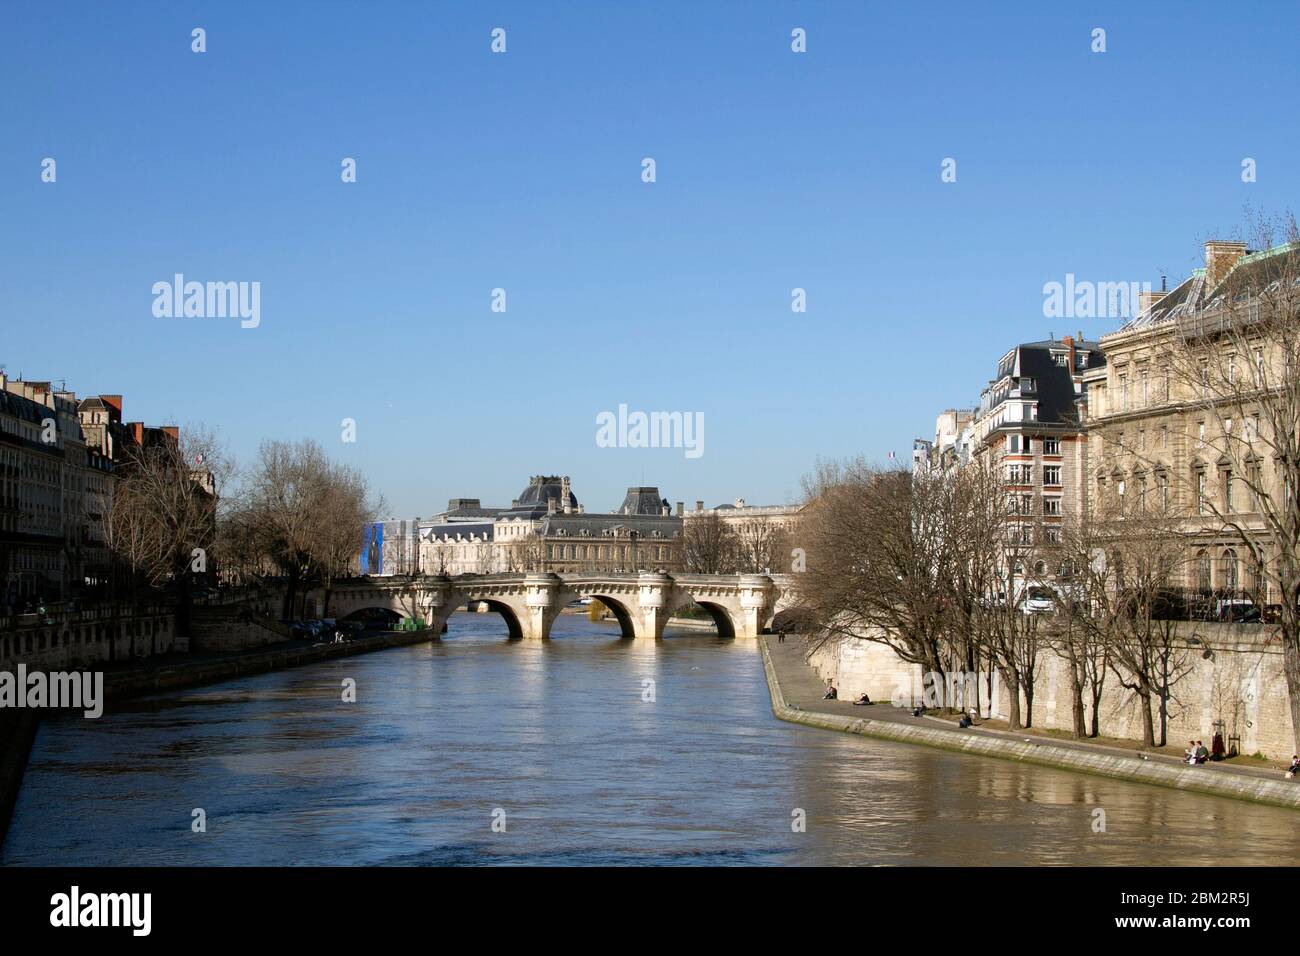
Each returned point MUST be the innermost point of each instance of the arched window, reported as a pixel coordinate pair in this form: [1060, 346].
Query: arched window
[1203, 570]
[1228, 570]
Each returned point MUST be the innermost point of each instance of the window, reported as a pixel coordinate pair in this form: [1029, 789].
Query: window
[1203, 571]
[1123, 393]
[1051, 506]
[1051, 474]
[1013, 444]
[1228, 570]
[1227, 490]
[1051, 446]
[1201, 502]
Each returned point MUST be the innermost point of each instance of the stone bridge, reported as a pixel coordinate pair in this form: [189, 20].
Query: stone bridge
[741, 606]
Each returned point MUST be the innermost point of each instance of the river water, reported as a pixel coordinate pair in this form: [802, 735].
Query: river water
[558, 746]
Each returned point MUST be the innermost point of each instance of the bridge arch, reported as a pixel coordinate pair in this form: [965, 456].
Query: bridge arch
[622, 613]
[720, 615]
[514, 627]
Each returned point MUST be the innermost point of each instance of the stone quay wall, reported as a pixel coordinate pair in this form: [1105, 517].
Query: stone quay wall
[61, 640]
[1233, 674]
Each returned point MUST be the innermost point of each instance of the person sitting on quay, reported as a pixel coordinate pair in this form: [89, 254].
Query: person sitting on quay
[1217, 751]
[1295, 767]
[864, 699]
[918, 710]
[831, 692]
[1189, 755]
[967, 720]
[1202, 754]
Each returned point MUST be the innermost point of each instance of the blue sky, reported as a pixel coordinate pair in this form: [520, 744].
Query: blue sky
[522, 170]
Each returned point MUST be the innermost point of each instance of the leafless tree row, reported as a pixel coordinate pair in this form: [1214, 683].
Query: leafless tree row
[181, 513]
[938, 567]
[754, 545]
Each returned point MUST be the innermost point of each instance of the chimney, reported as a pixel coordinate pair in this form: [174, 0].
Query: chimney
[664, 511]
[1220, 257]
[699, 505]
[114, 402]
[681, 508]
[582, 509]
[1147, 298]
[550, 506]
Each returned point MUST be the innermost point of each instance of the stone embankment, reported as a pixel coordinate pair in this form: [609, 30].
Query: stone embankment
[796, 696]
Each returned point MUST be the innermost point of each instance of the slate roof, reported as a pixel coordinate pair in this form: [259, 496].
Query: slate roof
[642, 501]
[1252, 273]
[596, 525]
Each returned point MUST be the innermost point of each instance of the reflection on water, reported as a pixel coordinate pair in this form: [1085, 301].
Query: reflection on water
[558, 736]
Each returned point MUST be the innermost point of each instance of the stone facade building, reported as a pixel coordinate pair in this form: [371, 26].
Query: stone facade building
[59, 459]
[547, 529]
[1030, 425]
[1159, 445]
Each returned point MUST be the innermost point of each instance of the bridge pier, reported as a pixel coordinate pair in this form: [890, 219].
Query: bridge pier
[755, 599]
[542, 604]
[653, 588]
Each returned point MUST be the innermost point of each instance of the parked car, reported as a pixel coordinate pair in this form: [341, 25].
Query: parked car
[1038, 600]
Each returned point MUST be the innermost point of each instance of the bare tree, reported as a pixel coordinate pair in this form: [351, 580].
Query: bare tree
[1137, 556]
[301, 515]
[708, 545]
[1078, 636]
[162, 526]
[879, 559]
[994, 535]
[759, 544]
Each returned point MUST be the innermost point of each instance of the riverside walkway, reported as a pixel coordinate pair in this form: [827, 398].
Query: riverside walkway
[797, 692]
